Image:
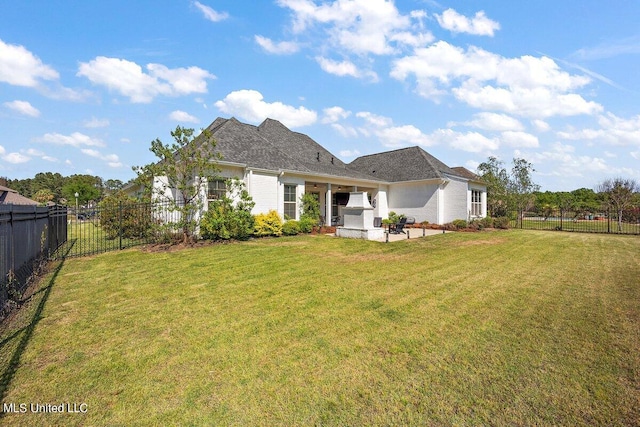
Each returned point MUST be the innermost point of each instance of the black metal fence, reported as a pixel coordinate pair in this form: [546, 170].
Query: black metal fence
[625, 222]
[28, 236]
[116, 226]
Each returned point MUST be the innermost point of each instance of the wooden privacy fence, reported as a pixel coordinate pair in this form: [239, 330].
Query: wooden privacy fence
[29, 234]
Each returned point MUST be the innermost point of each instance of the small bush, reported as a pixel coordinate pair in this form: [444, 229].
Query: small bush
[487, 222]
[501, 222]
[121, 215]
[306, 224]
[459, 223]
[269, 224]
[230, 217]
[291, 228]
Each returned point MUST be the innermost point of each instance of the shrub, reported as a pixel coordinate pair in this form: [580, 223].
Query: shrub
[230, 217]
[501, 222]
[459, 223]
[306, 224]
[394, 218]
[310, 208]
[291, 228]
[269, 224]
[121, 215]
[487, 222]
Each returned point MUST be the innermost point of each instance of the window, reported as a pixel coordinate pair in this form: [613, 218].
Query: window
[290, 201]
[476, 203]
[216, 190]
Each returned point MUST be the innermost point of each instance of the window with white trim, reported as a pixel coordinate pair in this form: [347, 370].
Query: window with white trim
[290, 201]
[476, 203]
[216, 190]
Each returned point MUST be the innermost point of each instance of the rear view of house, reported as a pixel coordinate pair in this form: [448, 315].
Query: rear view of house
[278, 166]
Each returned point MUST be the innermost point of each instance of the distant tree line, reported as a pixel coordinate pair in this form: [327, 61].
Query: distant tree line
[48, 187]
[512, 192]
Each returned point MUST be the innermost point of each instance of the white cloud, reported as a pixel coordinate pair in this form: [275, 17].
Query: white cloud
[19, 67]
[76, 139]
[32, 152]
[479, 25]
[635, 154]
[96, 123]
[250, 105]
[398, 136]
[356, 26]
[23, 107]
[111, 160]
[344, 68]
[472, 142]
[182, 116]
[15, 158]
[539, 102]
[130, 80]
[541, 125]
[519, 139]
[494, 122]
[374, 119]
[566, 163]
[345, 131]
[334, 114]
[349, 153]
[279, 48]
[527, 86]
[211, 14]
[613, 130]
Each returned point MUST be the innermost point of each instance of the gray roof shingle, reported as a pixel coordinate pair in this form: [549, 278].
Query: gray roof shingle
[405, 164]
[272, 146]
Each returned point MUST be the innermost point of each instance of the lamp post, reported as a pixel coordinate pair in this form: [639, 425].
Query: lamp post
[77, 205]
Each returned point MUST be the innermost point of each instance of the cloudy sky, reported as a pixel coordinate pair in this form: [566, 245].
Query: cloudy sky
[86, 86]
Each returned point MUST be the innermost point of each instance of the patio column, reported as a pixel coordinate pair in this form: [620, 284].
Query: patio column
[327, 206]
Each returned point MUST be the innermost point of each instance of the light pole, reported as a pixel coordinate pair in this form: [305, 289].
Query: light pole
[77, 205]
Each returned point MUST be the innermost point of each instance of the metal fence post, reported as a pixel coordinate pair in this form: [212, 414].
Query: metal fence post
[120, 224]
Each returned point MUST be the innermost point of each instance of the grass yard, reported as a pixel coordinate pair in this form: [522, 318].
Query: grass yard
[500, 328]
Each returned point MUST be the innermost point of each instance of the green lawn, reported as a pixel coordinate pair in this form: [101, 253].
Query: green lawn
[493, 328]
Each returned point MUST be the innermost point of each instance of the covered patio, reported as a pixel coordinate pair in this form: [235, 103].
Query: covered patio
[334, 196]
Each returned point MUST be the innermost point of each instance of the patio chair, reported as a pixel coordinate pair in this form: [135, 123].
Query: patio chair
[399, 227]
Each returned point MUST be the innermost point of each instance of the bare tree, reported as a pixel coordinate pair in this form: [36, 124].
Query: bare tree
[618, 195]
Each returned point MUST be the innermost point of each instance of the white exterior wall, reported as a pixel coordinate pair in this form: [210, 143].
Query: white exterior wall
[263, 188]
[455, 201]
[415, 199]
[381, 207]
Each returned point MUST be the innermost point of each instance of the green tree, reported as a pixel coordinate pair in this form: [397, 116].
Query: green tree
[43, 196]
[521, 187]
[113, 185]
[182, 167]
[54, 182]
[88, 187]
[618, 195]
[123, 216]
[497, 178]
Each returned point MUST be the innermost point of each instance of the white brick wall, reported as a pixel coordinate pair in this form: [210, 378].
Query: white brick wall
[417, 199]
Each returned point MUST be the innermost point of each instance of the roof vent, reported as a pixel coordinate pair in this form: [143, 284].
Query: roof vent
[332, 160]
[318, 156]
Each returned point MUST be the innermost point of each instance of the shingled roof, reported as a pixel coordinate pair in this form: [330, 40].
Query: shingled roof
[12, 197]
[405, 164]
[272, 146]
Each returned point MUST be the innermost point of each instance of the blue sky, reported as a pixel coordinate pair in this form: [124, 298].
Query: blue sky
[86, 86]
